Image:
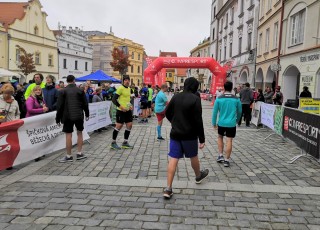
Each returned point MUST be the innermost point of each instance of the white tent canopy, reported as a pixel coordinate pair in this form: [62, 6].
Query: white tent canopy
[7, 73]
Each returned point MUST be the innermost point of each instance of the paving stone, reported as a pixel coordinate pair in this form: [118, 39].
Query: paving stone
[65, 220]
[57, 213]
[181, 227]
[130, 224]
[196, 221]
[155, 225]
[147, 218]
[89, 222]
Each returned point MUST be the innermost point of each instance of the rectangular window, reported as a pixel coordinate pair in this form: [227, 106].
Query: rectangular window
[170, 74]
[132, 69]
[132, 55]
[221, 24]
[213, 33]
[262, 8]
[18, 53]
[269, 5]
[266, 47]
[249, 40]
[220, 51]
[86, 66]
[214, 12]
[227, 19]
[241, 6]
[138, 56]
[138, 69]
[232, 14]
[297, 27]
[225, 52]
[260, 44]
[276, 35]
[230, 50]
[50, 60]
[181, 80]
[37, 59]
[240, 45]
[75, 65]
[64, 63]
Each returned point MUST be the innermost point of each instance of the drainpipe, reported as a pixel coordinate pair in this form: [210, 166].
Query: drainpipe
[280, 40]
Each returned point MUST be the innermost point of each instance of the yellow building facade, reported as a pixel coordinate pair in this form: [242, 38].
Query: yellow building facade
[102, 55]
[27, 28]
[202, 75]
[3, 48]
[268, 43]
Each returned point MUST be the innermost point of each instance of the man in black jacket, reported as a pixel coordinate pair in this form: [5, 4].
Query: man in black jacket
[70, 106]
[185, 114]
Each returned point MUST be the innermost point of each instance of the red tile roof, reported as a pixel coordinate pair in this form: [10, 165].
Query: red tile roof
[168, 54]
[10, 11]
[182, 72]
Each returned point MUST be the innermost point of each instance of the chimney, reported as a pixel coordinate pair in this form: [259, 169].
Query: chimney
[64, 29]
[111, 31]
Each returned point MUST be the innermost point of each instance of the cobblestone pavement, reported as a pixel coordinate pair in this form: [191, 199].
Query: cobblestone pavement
[123, 189]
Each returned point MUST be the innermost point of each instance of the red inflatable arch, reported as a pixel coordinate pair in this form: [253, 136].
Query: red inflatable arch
[219, 72]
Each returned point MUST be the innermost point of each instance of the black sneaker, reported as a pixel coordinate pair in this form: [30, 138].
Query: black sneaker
[160, 139]
[167, 193]
[203, 174]
[66, 159]
[220, 159]
[226, 164]
[81, 156]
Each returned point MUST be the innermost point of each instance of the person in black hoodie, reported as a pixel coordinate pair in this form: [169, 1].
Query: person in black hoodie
[305, 92]
[185, 114]
[50, 93]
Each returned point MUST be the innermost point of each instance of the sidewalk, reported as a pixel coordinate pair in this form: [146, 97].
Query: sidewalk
[123, 189]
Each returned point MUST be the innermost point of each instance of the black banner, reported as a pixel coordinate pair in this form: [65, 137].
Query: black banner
[303, 129]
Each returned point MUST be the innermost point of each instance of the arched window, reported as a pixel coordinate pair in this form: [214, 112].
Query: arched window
[36, 30]
[37, 58]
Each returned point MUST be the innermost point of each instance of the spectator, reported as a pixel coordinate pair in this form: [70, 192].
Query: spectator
[306, 92]
[89, 91]
[246, 98]
[97, 97]
[35, 103]
[19, 97]
[50, 94]
[38, 80]
[277, 97]
[9, 108]
[260, 96]
[268, 96]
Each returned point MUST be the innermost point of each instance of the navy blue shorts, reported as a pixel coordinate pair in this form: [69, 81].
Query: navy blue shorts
[180, 149]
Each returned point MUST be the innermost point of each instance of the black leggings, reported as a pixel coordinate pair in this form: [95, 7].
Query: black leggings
[246, 113]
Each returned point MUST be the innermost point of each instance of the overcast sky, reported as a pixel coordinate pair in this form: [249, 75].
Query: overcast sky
[167, 25]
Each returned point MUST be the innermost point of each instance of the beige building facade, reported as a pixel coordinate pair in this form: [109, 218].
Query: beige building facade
[103, 46]
[3, 48]
[300, 52]
[26, 26]
[202, 75]
[268, 43]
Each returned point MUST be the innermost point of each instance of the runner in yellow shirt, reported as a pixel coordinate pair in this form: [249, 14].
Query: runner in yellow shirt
[124, 115]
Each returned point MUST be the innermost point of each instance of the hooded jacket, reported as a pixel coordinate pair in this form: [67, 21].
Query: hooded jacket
[50, 95]
[246, 96]
[185, 113]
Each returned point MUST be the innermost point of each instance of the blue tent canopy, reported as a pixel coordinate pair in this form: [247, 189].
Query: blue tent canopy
[98, 76]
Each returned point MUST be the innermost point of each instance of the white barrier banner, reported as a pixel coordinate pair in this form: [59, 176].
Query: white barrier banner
[267, 115]
[99, 116]
[256, 113]
[38, 136]
[136, 107]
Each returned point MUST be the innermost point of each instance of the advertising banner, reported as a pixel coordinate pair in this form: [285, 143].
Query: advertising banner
[24, 140]
[310, 105]
[136, 107]
[256, 113]
[303, 129]
[99, 116]
[278, 119]
[267, 115]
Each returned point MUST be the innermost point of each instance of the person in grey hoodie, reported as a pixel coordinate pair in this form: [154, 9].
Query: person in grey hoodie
[246, 97]
[268, 96]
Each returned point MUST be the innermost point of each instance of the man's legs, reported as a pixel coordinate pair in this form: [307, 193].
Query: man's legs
[228, 148]
[220, 144]
[247, 114]
[195, 165]
[115, 135]
[125, 143]
[242, 114]
[172, 166]
[79, 141]
[159, 129]
[68, 143]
